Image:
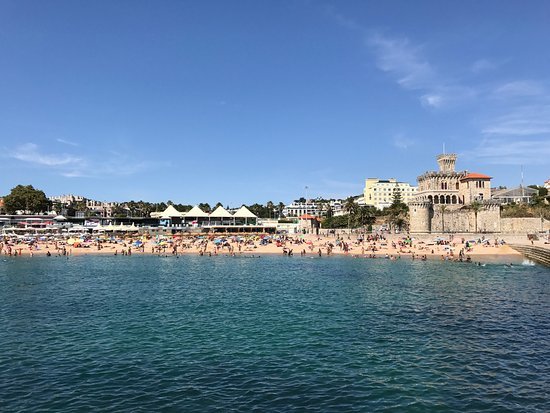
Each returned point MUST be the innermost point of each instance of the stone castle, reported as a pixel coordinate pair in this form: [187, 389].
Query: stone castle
[460, 202]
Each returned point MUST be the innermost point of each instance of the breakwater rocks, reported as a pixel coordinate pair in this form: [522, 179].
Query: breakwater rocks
[539, 255]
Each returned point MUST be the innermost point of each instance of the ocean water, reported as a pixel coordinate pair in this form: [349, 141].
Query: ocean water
[272, 334]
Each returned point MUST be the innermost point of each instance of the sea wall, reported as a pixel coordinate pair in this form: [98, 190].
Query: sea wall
[451, 218]
[538, 254]
[523, 225]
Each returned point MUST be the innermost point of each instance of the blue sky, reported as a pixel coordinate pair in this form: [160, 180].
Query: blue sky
[251, 101]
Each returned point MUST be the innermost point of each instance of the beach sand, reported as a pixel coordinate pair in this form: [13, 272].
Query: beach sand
[309, 245]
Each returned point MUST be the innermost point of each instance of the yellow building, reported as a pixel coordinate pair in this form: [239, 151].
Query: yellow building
[380, 192]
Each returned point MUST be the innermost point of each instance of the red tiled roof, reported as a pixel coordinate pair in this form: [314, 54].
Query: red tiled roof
[474, 175]
[307, 216]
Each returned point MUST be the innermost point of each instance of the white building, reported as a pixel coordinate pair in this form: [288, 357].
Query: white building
[314, 208]
[380, 192]
[520, 195]
[297, 209]
[67, 200]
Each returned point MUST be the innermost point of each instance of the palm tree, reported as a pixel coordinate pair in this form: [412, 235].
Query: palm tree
[329, 211]
[280, 208]
[350, 207]
[270, 206]
[365, 216]
[476, 207]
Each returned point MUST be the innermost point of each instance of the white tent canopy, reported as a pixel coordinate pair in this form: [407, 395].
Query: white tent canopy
[196, 212]
[60, 218]
[244, 212]
[220, 212]
[171, 212]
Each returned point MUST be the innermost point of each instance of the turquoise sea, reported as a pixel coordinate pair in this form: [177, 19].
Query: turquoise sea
[272, 334]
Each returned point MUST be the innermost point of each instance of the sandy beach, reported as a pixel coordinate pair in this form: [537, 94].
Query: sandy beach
[395, 246]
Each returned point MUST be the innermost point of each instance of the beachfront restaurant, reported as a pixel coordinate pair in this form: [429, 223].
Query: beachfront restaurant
[220, 217]
[196, 217]
[243, 220]
[219, 220]
[170, 217]
[27, 221]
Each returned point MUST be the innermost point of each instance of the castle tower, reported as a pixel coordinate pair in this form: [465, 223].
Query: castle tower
[420, 214]
[446, 162]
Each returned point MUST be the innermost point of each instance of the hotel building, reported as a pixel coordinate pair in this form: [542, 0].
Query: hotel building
[380, 192]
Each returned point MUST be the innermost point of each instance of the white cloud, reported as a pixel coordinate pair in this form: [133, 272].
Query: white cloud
[66, 142]
[30, 153]
[432, 100]
[342, 20]
[402, 142]
[519, 88]
[483, 65]
[512, 152]
[522, 121]
[403, 60]
[75, 174]
[70, 166]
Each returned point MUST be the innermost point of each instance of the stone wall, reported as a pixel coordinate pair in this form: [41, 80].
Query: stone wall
[426, 218]
[523, 225]
[456, 219]
[420, 217]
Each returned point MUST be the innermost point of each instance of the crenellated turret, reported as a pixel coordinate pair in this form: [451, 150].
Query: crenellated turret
[420, 213]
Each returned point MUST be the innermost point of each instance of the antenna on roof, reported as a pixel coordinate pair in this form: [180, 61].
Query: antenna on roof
[522, 190]
[522, 175]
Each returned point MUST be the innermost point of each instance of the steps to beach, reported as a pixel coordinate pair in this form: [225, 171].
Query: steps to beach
[539, 255]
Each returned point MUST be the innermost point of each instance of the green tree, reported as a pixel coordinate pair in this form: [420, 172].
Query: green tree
[271, 208]
[539, 199]
[145, 208]
[26, 198]
[259, 210]
[183, 207]
[476, 207]
[396, 195]
[329, 211]
[280, 208]
[397, 213]
[205, 206]
[335, 222]
[365, 216]
[57, 207]
[350, 207]
[119, 212]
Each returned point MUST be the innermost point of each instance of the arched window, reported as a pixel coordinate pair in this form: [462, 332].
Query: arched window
[436, 199]
[430, 198]
[454, 199]
[448, 199]
[441, 199]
